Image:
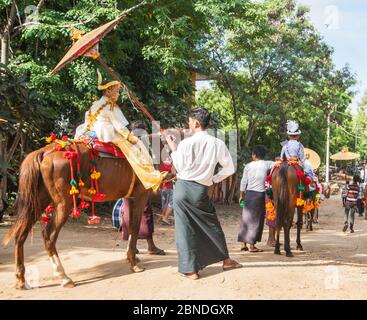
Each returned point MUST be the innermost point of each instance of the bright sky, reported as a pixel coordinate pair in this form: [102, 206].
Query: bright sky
[343, 24]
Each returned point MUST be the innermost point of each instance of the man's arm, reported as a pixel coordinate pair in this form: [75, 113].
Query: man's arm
[226, 162]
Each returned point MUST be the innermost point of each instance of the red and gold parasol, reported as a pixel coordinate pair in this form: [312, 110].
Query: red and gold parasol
[87, 45]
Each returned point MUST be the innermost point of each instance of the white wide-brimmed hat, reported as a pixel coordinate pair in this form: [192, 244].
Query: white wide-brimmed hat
[293, 128]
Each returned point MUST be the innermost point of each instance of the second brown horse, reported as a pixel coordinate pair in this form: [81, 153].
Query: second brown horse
[285, 192]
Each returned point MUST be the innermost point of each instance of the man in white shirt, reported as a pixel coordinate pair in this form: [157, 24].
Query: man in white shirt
[199, 237]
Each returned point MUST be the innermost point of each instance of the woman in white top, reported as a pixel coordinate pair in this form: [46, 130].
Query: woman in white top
[253, 192]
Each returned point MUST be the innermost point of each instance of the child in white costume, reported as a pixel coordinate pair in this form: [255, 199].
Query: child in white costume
[293, 149]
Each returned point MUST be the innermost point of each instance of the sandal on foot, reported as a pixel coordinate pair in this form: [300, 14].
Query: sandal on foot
[244, 249]
[255, 250]
[193, 276]
[233, 265]
[157, 252]
[166, 223]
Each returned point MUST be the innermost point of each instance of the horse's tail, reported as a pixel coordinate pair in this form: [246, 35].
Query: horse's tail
[28, 204]
[282, 204]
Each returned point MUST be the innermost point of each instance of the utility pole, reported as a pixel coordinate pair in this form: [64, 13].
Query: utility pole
[327, 166]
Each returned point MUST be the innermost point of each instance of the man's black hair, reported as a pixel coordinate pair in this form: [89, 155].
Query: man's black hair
[259, 151]
[202, 115]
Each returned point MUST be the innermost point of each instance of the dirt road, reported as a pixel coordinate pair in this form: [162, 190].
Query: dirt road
[333, 265]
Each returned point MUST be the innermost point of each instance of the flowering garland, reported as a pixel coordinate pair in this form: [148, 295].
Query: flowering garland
[70, 149]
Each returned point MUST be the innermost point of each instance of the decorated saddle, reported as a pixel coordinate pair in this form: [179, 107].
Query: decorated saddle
[71, 152]
[100, 148]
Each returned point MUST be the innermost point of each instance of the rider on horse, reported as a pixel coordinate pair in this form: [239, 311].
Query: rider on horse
[294, 150]
[106, 121]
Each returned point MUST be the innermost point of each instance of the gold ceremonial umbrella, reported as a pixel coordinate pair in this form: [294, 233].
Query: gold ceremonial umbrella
[345, 155]
[87, 45]
[313, 158]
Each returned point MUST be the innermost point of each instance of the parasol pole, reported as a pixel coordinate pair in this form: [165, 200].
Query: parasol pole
[131, 96]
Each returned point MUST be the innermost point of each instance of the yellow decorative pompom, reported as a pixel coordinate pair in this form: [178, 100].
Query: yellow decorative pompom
[277, 164]
[81, 183]
[269, 206]
[271, 217]
[62, 144]
[92, 191]
[48, 139]
[300, 202]
[95, 175]
[73, 190]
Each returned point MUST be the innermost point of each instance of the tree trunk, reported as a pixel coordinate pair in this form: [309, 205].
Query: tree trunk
[4, 50]
[14, 145]
[3, 168]
[250, 132]
[5, 35]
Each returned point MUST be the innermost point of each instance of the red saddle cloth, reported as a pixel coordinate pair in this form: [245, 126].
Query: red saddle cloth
[107, 147]
[103, 147]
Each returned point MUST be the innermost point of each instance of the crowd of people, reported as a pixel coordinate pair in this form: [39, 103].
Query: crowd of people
[200, 239]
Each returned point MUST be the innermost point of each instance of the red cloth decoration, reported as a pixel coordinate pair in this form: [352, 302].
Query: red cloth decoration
[76, 213]
[307, 181]
[94, 220]
[53, 136]
[99, 197]
[46, 220]
[300, 174]
[107, 147]
[70, 155]
[268, 178]
[50, 209]
[84, 205]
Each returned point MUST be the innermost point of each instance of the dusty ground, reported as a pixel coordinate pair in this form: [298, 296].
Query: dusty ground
[333, 265]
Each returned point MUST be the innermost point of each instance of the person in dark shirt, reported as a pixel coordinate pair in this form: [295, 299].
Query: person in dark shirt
[351, 204]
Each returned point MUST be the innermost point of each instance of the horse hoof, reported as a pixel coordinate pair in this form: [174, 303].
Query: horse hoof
[136, 259]
[67, 283]
[23, 286]
[300, 248]
[277, 252]
[289, 255]
[137, 269]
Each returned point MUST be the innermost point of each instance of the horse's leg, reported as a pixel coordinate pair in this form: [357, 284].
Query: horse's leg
[287, 244]
[19, 260]
[312, 213]
[50, 234]
[277, 243]
[299, 227]
[136, 209]
[24, 227]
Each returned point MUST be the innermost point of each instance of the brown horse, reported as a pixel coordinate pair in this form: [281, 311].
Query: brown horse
[285, 191]
[45, 179]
